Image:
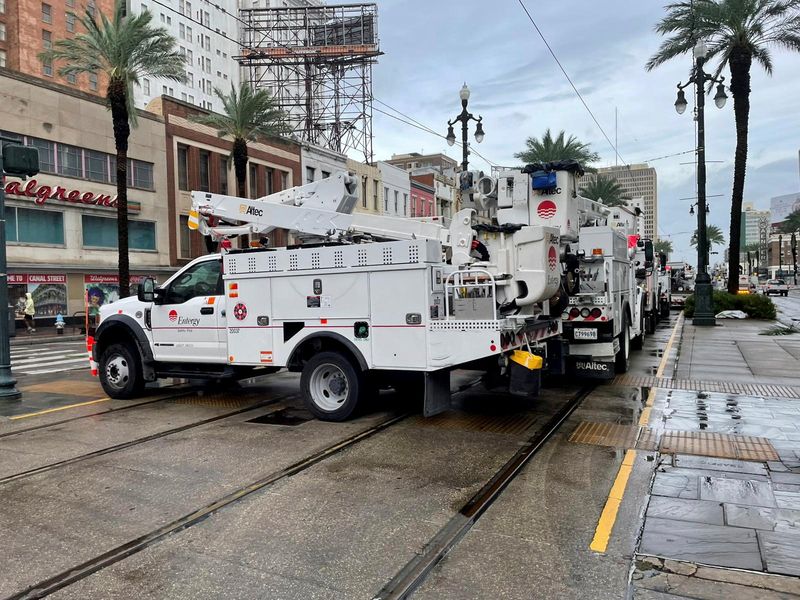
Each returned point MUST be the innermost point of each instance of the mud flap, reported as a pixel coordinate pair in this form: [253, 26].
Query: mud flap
[437, 392]
[590, 369]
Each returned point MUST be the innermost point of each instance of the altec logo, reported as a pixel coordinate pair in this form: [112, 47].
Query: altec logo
[591, 366]
[173, 315]
[546, 209]
[552, 258]
[250, 210]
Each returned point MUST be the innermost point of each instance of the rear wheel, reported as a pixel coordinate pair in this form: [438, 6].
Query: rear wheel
[331, 386]
[623, 357]
[121, 372]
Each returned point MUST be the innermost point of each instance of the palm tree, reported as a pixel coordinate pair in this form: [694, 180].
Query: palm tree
[737, 32]
[124, 48]
[792, 223]
[548, 149]
[605, 190]
[663, 247]
[248, 115]
[713, 236]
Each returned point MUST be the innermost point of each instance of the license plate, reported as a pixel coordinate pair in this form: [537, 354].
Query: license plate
[585, 334]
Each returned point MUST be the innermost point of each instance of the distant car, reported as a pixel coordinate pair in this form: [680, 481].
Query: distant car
[777, 287]
[745, 285]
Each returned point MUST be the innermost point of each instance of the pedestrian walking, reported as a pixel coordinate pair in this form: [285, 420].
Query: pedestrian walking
[30, 311]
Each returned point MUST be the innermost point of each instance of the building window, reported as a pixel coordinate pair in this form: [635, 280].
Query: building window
[223, 174]
[70, 161]
[47, 13]
[190, 79]
[146, 86]
[96, 166]
[93, 81]
[405, 205]
[375, 185]
[140, 174]
[34, 226]
[253, 181]
[2, 6]
[2, 57]
[101, 232]
[270, 179]
[47, 39]
[284, 180]
[72, 78]
[183, 167]
[205, 171]
[396, 201]
[2, 32]
[47, 154]
[364, 192]
[186, 244]
[71, 22]
[310, 174]
[386, 199]
[90, 7]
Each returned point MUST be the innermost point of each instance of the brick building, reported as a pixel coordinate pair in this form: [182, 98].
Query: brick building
[27, 27]
[198, 159]
[423, 200]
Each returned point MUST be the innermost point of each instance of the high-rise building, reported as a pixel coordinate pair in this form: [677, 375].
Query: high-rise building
[638, 181]
[750, 219]
[27, 27]
[207, 35]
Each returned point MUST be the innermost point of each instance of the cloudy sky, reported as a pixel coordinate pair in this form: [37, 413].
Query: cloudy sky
[433, 46]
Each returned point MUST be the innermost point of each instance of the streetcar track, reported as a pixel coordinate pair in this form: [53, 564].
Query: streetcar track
[137, 441]
[416, 571]
[110, 557]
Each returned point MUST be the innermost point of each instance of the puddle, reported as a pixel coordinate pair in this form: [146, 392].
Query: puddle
[290, 417]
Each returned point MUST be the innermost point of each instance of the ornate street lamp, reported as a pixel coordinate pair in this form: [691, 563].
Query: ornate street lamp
[704, 307]
[465, 117]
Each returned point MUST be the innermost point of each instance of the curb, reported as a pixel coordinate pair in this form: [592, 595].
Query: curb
[45, 339]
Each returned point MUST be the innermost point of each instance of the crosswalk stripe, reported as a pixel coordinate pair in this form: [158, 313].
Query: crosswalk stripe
[48, 359]
[44, 353]
[44, 371]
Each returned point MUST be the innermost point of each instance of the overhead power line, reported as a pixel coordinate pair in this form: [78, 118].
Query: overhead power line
[575, 89]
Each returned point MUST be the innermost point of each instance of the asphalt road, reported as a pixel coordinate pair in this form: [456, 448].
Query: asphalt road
[788, 306]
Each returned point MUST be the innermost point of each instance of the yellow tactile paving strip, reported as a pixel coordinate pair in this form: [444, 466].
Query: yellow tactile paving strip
[701, 443]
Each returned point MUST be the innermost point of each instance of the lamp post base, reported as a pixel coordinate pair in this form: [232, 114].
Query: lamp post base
[703, 304]
[8, 390]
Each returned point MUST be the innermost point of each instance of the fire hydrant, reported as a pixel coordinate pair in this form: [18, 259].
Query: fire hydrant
[59, 324]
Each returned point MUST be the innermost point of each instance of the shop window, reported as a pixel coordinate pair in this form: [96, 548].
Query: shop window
[101, 232]
[96, 166]
[69, 161]
[183, 167]
[34, 226]
[205, 171]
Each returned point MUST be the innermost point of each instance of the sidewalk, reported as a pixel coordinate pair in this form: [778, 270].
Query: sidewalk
[723, 516]
[46, 335]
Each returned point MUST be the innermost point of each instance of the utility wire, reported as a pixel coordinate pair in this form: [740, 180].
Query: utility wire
[575, 89]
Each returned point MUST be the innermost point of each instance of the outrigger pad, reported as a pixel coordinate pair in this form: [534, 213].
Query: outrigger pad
[437, 392]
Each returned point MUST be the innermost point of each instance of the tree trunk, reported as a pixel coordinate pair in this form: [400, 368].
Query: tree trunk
[117, 99]
[740, 61]
[240, 166]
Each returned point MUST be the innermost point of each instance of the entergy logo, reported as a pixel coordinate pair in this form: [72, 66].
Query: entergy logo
[546, 209]
[173, 315]
[552, 258]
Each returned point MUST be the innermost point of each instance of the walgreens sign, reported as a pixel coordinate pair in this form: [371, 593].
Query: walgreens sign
[42, 193]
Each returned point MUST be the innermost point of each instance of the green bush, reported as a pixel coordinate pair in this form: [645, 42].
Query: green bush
[754, 305]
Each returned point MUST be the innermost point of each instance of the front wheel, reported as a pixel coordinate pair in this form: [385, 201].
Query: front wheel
[331, 386]
[121, 372]
[622, 360]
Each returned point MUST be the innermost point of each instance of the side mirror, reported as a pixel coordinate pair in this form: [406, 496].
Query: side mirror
[146, 291]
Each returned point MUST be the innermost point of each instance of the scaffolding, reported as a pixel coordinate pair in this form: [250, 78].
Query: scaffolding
[317, 62]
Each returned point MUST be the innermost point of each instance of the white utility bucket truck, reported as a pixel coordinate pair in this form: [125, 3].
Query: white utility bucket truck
[365, 301]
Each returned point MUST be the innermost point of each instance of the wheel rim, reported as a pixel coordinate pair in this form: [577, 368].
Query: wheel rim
[329, 387]
[118, 372]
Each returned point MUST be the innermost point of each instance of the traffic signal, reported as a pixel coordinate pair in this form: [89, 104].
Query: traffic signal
[20, 160]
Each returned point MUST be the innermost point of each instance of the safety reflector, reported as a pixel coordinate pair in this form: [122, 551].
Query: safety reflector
[194, 220]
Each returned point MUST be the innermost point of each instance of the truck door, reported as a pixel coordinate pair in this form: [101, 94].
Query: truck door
[188, 315]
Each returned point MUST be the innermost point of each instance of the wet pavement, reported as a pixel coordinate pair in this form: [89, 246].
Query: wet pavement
[84, 481]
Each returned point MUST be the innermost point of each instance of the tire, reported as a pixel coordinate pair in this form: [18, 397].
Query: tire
[120, 372]
[622, 361]
[331, 386]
